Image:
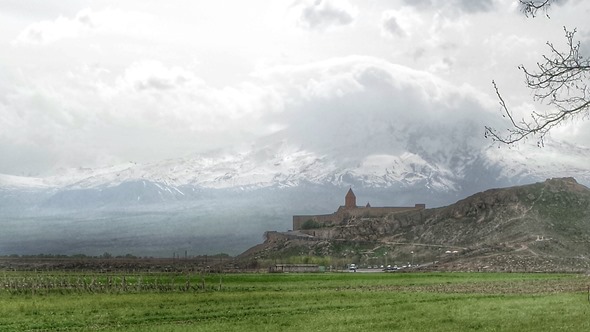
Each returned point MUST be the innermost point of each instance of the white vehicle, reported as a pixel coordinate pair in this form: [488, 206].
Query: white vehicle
[352, 267]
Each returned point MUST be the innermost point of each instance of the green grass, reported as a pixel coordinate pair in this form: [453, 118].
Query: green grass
[309, 302]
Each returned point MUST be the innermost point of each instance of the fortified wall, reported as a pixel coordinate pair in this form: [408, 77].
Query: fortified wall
[349, 209]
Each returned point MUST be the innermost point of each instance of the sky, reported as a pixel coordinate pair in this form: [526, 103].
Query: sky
[92, 83]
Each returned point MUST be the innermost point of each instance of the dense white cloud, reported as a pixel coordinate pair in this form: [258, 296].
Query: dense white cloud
[365, 106]
[85, 21]
[46, 32]
[106, 82]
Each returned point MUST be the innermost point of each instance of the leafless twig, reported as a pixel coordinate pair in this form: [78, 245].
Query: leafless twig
[532, 7]
[561, 81]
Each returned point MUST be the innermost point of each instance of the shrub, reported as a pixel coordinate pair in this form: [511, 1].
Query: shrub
[311, 224]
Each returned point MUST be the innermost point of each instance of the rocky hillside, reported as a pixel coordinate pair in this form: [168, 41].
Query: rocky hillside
[543, 226]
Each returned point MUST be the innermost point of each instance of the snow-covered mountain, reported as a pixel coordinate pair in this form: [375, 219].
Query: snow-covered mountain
[233, 196]
[277, 165]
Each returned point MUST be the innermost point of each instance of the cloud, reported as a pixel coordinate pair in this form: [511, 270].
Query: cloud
[472, 6]
[150, 111]
[348, 108]
[584, 39]
[467, 6]
[356, 107]
[431, 37]
[323, 14]
[83, 23]
[145, 111]
[403, 22]
[151, 74]
[366, 106]
[46, 32]
[391, 27]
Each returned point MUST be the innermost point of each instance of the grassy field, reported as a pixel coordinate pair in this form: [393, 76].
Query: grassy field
[294, 302]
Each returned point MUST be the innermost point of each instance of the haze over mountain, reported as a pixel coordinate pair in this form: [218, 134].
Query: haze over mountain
[223, 201]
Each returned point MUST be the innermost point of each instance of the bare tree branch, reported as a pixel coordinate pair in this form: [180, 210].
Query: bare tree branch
[561, 81]
[532, 7]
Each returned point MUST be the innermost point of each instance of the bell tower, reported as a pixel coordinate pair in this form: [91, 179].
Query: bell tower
[350, 200]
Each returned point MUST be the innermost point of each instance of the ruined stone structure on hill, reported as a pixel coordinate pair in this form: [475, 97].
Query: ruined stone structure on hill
[349, 209]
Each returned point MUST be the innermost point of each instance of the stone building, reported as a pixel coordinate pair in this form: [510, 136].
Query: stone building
[349, 209]
[350, 200]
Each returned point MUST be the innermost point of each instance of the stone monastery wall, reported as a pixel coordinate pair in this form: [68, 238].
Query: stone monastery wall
[348, 210]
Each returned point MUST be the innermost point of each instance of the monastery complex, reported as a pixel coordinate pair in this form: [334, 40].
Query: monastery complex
[349, 209]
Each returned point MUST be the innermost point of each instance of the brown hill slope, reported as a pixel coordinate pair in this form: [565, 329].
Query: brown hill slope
[543, 226]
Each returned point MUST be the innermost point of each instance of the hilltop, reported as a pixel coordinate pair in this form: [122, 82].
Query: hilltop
[538, 227]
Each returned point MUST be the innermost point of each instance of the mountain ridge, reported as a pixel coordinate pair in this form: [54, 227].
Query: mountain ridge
[283, 163]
